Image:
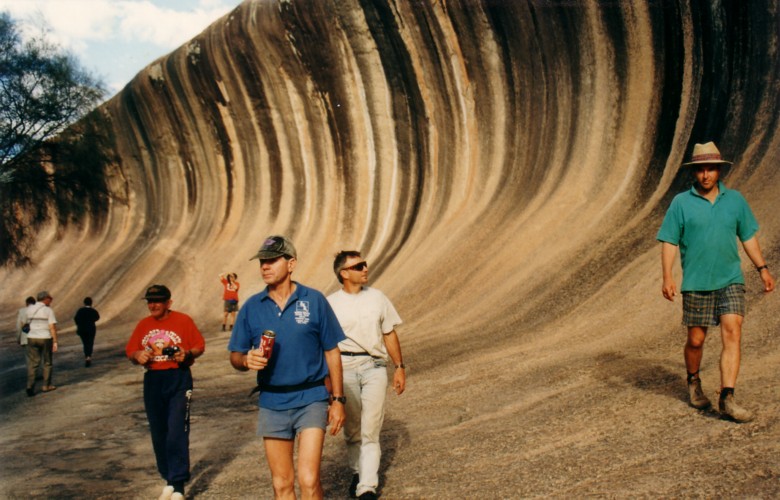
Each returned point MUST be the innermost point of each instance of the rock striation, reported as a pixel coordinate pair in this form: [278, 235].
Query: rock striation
[503, 165]
[529, 146]
[514, 157]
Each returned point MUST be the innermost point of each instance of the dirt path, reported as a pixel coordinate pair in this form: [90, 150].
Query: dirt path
[513, 422]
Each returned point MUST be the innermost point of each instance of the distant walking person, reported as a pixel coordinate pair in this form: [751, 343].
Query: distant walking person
[85, 319]
[294, 399]
[21, 320]
[369, 320]
[704, 223]
[230, 288]
[41, 342]
[166, 344]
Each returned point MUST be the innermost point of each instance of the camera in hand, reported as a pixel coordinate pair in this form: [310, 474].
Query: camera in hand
[170, 351]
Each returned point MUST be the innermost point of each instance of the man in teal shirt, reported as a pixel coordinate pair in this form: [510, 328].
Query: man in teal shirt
[704, 223]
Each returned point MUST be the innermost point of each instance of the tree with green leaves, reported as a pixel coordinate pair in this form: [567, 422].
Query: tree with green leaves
[53, 150]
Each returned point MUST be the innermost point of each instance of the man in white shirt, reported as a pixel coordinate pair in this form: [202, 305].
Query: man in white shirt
[368, 319]
[41, 341]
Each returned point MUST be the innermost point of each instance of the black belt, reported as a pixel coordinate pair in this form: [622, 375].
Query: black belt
[287, 388]
[351, 354]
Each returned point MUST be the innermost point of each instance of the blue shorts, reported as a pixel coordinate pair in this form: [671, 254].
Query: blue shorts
[706, 308]
[286, 424]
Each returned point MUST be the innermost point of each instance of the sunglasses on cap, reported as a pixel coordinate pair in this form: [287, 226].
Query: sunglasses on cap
[356, 267]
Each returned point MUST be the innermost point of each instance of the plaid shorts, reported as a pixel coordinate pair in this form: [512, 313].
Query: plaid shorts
[706, 308]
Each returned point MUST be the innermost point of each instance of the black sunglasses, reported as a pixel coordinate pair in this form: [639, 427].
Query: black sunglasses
[357, 267]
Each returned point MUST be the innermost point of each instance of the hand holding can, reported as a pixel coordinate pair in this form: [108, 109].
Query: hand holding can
[267, 343]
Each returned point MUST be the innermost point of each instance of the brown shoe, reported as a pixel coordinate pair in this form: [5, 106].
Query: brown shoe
[697, 397]
[730, 409]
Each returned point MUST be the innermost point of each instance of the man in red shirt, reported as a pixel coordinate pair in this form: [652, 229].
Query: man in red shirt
[166, 344]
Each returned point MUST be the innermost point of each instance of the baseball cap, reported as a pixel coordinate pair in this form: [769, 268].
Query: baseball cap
[157, 293]
[275, 246]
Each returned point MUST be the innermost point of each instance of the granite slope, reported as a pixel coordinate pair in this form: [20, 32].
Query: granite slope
[504, 167]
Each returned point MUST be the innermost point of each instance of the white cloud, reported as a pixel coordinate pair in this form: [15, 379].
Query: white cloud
[71, 24]
[167, 27]
[164, 23]
[118, 37]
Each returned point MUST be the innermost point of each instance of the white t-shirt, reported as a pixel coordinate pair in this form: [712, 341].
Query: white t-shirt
[40, 317]
[365, 317]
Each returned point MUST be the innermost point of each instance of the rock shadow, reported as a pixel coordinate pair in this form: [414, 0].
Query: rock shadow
[237, 415]
[336, 473]
[646, 375]
[68, 370]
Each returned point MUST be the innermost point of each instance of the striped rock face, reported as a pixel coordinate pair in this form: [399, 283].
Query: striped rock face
[501, 164]
[504, 166]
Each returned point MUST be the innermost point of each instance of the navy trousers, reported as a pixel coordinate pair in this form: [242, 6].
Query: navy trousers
[167, 395]
[88, 341]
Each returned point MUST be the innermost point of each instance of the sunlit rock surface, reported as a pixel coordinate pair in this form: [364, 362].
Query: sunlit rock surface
[504, 167]
[500, 161]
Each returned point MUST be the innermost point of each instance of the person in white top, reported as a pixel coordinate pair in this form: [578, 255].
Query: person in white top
[41, 341]
[21, 320]
[368, 319]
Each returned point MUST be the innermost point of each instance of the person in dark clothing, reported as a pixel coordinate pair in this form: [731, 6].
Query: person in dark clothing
[166, 343]
[85, 319]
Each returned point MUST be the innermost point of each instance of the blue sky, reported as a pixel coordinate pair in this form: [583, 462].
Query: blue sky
[115, 39]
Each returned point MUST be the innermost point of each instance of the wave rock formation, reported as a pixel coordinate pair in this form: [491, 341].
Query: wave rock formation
[503, 165]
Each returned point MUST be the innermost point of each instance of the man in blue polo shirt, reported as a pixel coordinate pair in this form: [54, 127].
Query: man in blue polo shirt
[294, 400]
[704, 223]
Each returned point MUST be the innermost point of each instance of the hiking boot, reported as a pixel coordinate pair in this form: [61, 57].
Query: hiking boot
[698, 399]
[353, 486]
[730, 409]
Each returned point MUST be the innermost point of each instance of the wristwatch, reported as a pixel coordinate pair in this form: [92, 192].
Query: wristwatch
[340, 399]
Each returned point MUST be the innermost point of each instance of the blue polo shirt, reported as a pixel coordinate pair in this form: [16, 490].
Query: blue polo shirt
[305, 328]
[706, 234]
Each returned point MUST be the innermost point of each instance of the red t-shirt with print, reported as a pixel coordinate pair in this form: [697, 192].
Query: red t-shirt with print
[153, 335]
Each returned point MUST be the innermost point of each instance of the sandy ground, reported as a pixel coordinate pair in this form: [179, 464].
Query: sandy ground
[504, 167]
[513, 421]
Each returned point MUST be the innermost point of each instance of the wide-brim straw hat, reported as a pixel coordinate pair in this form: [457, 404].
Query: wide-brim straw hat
[706, 154]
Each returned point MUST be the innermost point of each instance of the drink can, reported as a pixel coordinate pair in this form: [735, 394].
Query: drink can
[267, 343]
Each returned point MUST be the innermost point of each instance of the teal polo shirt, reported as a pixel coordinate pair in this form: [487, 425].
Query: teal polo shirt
[706, 234]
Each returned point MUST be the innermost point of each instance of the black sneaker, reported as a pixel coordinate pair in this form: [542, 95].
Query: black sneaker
[353, 486]
[30, 392]
[369, 495]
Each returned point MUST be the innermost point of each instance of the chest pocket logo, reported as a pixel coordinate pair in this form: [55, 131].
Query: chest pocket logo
[302, 313]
